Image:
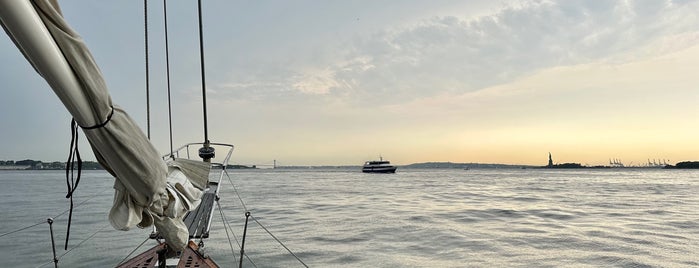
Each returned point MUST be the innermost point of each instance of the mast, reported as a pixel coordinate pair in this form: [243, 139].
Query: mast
[206, 152]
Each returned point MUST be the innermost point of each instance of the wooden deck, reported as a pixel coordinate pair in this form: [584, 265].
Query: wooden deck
[190, 258]
[198, 220]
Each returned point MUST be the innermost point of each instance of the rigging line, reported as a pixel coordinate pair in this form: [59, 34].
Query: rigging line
[42, 265]
[235, 189]
[203, 77]
[134, 250]
[76, 246]
[167, 64]
[84, 240]
[22, 229]
[250, 260]
[55, 217]
[145, 30]
[225, 227]
[225, 220]
[278, 241]
[81, 203]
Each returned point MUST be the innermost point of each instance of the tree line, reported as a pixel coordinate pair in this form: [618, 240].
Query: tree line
[36, 164]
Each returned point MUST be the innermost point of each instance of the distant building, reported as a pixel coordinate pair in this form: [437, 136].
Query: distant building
[14, 167]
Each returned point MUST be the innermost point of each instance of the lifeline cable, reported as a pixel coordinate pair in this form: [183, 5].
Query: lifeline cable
[236, 191]
[22, 229]
[225, 221]
[76, 246]
[81, 203]
[225, 227]
[278, 241]
[260, 224]
[134, 250]
[55, 217]
[84, 240]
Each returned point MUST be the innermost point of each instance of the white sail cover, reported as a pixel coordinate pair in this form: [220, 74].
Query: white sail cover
[147, 190]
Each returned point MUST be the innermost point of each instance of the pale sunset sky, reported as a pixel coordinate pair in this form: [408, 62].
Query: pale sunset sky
[341, 82]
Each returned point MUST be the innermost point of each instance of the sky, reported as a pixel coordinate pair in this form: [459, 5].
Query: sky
[342, 82]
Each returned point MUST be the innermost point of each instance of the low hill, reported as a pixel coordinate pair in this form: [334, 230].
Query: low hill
[448, 165]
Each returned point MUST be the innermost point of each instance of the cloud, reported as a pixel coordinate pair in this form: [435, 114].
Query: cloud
[318, 82]
[445, 54]
[452, 54]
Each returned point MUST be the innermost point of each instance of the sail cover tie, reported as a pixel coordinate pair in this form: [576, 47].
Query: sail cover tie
[72, 180]
[109, 118]
[74, 160]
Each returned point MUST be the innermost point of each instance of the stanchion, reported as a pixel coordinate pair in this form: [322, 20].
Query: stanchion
[242, 245]
[53, 243]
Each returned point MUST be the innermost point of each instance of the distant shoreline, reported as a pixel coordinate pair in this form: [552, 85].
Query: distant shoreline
[91, 165]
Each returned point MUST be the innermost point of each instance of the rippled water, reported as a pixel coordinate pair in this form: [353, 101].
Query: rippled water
[415, 218]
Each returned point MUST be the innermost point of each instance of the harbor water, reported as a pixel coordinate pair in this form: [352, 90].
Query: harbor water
[414, 218]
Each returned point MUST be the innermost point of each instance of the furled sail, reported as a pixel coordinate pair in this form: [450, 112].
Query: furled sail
[147, 189]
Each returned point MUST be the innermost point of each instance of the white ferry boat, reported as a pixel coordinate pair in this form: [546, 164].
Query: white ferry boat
[380, 166]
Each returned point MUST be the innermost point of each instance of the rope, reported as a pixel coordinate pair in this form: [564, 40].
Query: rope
[244, 209]
[44, 264]
[226, 225]
[278, 241]
[71, 181]
[81, 203]
[57, 216]
[235, 189]
[226, 222]
[83, 241]
[167, 64]
[76, 246]
[145, 30]
[134, 250]
[109, 118]
[22, 229]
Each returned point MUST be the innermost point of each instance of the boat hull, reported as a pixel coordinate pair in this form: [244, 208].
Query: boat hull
[379, 169]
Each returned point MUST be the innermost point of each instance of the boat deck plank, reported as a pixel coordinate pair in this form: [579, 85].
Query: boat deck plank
[197, 221]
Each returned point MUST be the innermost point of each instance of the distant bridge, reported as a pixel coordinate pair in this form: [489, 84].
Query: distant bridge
[273, 164]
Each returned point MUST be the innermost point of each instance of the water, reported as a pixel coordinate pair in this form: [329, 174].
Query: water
[415, 218]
